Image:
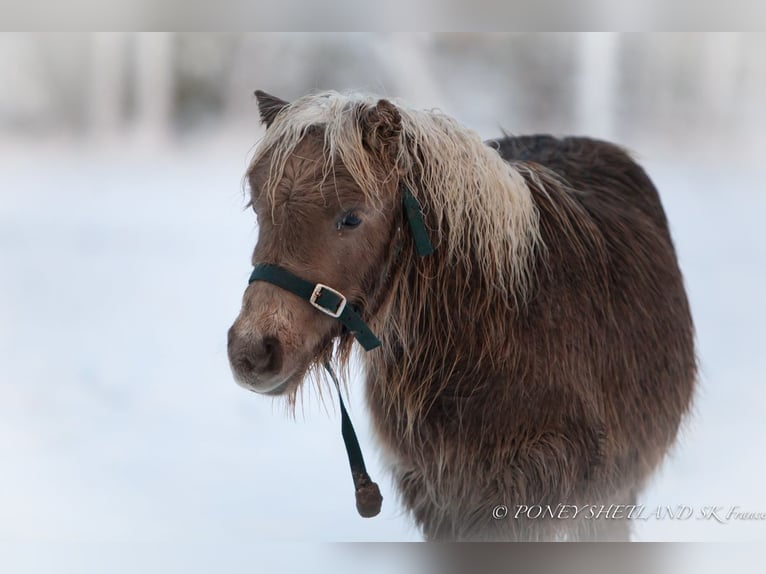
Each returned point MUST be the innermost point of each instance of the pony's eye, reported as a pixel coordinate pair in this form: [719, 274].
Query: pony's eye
[349, 220]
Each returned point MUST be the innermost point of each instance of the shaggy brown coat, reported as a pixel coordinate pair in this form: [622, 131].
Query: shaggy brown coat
[543, 355]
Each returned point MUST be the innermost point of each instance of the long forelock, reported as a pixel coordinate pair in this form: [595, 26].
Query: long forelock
[480, 205]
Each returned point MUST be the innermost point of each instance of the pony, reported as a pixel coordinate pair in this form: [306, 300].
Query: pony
[542, 356]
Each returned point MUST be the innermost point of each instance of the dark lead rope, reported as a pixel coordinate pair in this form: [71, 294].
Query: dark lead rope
[333, 303]
[368, 497]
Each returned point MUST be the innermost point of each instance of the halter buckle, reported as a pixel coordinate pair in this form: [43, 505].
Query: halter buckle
[318, 288]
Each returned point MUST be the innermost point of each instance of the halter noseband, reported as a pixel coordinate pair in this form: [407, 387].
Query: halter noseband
[321, 297]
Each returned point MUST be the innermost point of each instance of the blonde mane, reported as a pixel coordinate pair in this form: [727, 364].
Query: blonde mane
[473, 200]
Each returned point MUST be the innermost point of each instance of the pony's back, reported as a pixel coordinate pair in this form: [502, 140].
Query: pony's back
[592, 167]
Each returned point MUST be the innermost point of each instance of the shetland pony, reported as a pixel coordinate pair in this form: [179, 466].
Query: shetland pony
[543, 354]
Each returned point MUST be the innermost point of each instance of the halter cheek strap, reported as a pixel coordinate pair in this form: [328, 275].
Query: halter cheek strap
[321, 297]
[414, 213]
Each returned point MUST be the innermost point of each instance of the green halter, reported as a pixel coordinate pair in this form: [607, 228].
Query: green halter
[334, 304]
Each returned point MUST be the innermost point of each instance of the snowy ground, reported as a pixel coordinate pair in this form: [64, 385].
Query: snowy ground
[121, 426]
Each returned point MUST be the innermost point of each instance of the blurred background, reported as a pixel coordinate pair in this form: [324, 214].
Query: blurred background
[125, 249]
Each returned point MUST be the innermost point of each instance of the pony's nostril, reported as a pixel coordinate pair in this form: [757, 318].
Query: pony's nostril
[272, 355]
[253, 358]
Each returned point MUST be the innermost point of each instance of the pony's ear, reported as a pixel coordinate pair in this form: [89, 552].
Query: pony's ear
[381, 127]
[269, 106]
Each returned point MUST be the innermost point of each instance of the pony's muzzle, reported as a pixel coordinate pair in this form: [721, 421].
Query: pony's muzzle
[256, 360]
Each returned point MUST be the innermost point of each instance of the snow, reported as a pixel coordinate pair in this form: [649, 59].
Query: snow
[121, 426]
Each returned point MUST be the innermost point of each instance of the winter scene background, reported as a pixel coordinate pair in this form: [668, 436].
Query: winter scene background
[125, 249]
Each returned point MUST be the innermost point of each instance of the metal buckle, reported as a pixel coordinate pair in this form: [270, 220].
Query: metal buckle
[318, 292]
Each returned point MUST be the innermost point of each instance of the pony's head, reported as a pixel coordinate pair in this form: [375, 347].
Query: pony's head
[326, 186]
